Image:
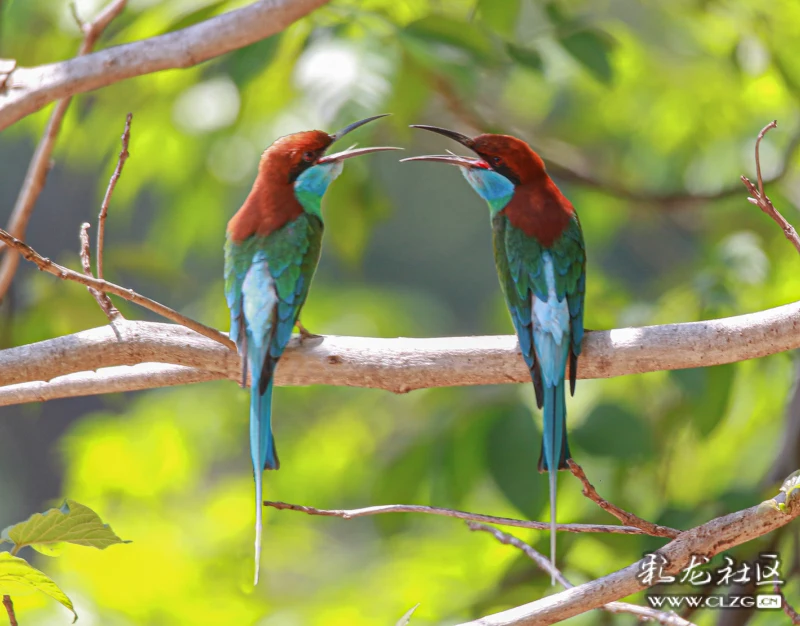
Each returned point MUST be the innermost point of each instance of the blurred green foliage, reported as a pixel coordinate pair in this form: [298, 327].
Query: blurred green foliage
[654, 98]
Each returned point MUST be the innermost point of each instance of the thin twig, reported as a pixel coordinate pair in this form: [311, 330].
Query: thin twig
[787, 608]
[629, 519]
[12, 618]
[40, 163]
[112, 183]
[465, 515]
[46, 265]
[642, 612]
[761, 200]
[86, 261]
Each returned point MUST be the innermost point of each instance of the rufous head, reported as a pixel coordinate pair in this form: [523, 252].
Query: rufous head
[511, 157]
[289, 156]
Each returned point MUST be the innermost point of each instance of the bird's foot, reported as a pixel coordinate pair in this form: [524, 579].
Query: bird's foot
[304, 332]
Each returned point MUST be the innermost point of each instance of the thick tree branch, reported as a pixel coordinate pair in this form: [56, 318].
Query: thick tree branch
[710, 539]
[29, 89]
[465, 515]
[399, 365]
[644, 613]
[40, 163]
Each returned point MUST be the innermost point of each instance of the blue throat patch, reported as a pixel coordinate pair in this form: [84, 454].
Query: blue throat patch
[312, 184]
[495, 188]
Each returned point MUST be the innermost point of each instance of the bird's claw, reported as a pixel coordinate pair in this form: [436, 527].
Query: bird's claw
[304, 332]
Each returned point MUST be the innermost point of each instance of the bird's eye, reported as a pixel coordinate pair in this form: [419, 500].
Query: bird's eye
[496, 160]
[308, 156]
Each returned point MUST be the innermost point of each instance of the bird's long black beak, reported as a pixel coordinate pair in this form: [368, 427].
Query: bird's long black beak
[350, 153]
[351, 127]
[462, 139]
[450, 159]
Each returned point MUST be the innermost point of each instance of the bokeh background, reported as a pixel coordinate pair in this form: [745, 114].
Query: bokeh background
[646, 114]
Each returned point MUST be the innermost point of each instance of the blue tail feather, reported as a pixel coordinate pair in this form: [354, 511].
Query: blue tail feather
[555, 450]
[262, 449]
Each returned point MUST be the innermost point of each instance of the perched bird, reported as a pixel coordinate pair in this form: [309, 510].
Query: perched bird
[272, 249]
[541, 263]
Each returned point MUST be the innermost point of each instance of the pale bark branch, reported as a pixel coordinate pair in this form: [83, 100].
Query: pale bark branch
[465, 515]
[29, 89]
[398, 365]
[644, 613]
[710, 539]
[40, 163]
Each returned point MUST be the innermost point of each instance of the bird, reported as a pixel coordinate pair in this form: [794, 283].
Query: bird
[272, 249]
[541, 263]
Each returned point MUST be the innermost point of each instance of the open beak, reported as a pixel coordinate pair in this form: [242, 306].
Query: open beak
[451, 159]
[350, 153]
[462, 139]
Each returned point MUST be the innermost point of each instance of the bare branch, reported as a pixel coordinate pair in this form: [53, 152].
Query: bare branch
[465, 515]
[106, 380]
[761, 200]
[46, 265]
[30, 89]
[112, 183]
[40, 163]
[404, 364]
[787, 608]
[708, 540]
[103, 301]
[630, 519]
[642, 612]
[12, 618]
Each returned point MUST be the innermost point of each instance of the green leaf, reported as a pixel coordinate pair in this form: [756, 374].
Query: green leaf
[707, 392]
[454, 33]
[591, 47]
[403, 621]
[612, 430]
[513, 452]
[246, 63]
[18, 578]
[527, 57]
[500, 16]
[72, 523]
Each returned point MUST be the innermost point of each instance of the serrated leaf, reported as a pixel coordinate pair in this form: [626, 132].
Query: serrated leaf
[528, 57]
[71, 523]
[591, 47]
[403, 621]
[501, 16]
[18, 577]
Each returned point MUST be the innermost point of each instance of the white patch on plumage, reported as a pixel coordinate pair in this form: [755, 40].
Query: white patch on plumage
[260, 300]
[550, 327]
